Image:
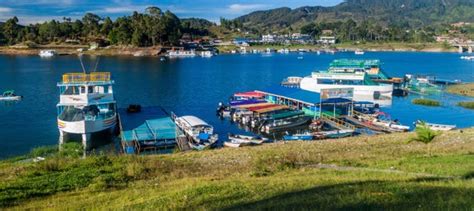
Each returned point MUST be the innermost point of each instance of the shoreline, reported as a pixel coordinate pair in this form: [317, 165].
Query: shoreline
[158, 50]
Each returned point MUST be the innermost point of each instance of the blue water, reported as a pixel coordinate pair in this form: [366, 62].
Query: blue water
[195, 86]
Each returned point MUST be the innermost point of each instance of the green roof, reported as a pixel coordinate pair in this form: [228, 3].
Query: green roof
[352, 63]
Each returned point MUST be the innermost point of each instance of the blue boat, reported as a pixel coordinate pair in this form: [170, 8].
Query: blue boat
[299, 137]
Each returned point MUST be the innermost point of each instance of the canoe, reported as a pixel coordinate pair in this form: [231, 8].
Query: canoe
[334, 134]
[247, 139]
[437, 127]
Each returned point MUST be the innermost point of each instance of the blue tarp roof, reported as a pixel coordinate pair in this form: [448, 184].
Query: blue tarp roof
[151, 124]
[300, 95]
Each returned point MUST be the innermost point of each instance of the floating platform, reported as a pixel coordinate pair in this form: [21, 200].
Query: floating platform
[150, 129]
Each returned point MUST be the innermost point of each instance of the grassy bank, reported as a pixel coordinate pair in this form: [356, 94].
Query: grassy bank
[362, 172]
[426, 102]
[468, 105]
[462, 89]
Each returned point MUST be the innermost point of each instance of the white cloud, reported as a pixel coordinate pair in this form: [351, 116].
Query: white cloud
[5, 10]
[244, 8]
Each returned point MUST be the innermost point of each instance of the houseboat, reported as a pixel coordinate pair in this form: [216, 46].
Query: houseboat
[360, 81]
[86, 106]
[200, 133]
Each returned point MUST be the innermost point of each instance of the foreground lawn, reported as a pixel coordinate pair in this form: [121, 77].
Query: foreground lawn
[364, 172]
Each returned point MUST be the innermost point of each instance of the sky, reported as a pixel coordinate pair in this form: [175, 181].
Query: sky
[34, 11]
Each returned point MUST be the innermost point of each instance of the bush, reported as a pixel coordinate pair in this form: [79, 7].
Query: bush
[426, 102]
[43, 151]
[468, 105]
[73, 150]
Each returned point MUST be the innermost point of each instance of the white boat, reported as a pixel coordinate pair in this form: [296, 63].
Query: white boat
[394, 126]
[206, 54]
[247, 139]
[469, 58]
[10, 96]
[236, 144]
[181, 53]
[201, 133]
[359, 52]
[86, 105]
[437, 127]
[334, 134]
[47, 53]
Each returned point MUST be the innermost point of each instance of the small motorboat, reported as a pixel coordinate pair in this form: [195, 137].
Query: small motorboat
[359, 52]
[282, 124]
[334, 134]
[134, 108]
[236, 143]
[469, 58]
[395, 126]
[10, 96]
[299, 137]
[437, 127]
[257, 140]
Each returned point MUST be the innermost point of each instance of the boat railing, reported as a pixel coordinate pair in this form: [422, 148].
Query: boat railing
[337, 121]
[84, 77]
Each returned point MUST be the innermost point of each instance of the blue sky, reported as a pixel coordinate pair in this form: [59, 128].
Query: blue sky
[32, 11]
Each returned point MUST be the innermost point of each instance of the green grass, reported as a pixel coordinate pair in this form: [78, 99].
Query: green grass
[380, 172]
[426, 102]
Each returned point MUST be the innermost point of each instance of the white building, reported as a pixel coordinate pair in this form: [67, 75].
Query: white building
[327, 40]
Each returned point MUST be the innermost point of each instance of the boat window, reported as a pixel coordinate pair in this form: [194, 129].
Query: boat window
[83, 89]
[70, 90]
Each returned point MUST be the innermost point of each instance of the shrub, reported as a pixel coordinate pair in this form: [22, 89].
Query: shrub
[72, 149]
[43, 151]
[424, 134]
[468, 105]
[426, 102]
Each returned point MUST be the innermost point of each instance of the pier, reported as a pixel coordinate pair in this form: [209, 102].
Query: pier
[149, 129]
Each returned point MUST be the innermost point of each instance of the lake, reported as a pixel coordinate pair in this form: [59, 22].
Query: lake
[194, 86]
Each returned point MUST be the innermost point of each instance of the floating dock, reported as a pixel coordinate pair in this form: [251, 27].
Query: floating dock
[149, 129]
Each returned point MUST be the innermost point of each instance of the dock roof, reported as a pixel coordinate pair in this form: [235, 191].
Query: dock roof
[294, 94]
[354, 63]
[300, 95]
[151, 124]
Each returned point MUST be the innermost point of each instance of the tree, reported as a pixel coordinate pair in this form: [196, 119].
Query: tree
[91, 24]
[107, 27]
[424, 134]
[10, 30]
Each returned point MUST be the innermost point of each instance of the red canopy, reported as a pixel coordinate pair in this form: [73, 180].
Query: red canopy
[249, 94]
[261, 107]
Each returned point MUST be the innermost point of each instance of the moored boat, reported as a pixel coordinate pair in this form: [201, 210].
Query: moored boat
[282, 124]
[299, 137]
[359, 52]
[334, 134]
[201, 134]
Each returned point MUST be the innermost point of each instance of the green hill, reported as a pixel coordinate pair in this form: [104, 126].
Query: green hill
[405, 13]
[381, 172]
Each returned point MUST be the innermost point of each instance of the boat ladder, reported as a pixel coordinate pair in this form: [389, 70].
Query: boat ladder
[337, 122]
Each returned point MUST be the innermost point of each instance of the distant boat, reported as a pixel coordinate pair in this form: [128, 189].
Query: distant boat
[206, 54]
[359, 52]
[300, 57]
[437, 127]
[47, 53]
[10, 96]
[469, 58]
[162, 59]
[181, 53]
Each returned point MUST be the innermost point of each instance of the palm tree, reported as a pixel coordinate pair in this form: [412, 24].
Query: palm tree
[425, 135]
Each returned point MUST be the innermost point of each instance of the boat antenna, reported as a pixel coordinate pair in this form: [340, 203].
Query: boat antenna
[82, 64]
[96, 63]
